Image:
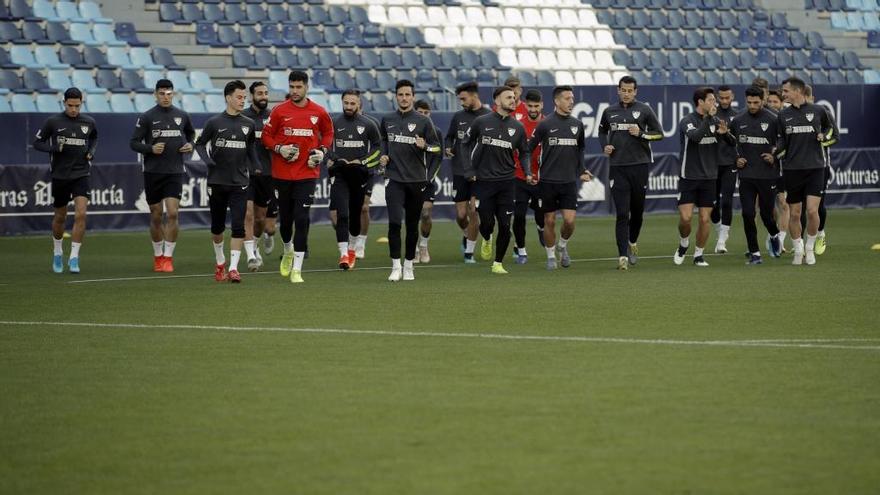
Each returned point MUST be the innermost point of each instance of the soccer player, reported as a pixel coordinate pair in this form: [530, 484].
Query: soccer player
[699, 134]
[527, 194]
[435, 160]
[626, 131]
[805, 127]
[722, 213]
[563, 161]
[408, 138]
[227, 146]
[764, 86]
[262, 208]
[823, 212]
[164, 136]
[775, 105]
[496, 137]
[515, 83]
[459, 148]
[756, 132]
[299, 132]
[356, 149]
[70, 138]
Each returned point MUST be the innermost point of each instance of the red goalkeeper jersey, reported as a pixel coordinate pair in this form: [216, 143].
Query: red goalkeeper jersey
[307, 127]
[536, 153]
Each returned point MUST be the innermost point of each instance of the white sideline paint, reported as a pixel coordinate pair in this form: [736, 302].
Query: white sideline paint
[837, 344]
[332, 270]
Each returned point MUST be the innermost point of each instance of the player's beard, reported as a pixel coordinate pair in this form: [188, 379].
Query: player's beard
[261, 104]
[349, 113]
[534, 116]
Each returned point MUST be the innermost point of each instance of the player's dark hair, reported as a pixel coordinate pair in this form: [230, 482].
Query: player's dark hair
[628, 80]
[561, 89]
[761, 83]
[403, 83]
[423, 104]
[754, 91]
[164, 84]
[724, 87]
[298, 76]
[73, 94]
[499, 90]
[255, 85]
[795, 83]
[808, 90]
[468, 87]
[702, 93]
[512, 82]
[534, 96]
[774, 92]
[233, 86]
[351, 92]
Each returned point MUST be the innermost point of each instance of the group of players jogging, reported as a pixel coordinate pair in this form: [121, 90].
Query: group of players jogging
[263, 167]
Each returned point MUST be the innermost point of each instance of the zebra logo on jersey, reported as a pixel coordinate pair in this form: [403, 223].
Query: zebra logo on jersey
[809, 117]
[574, 129]
[636, 114]
[361, 129]
[85, 129]
[765, 126]
[178, 120]
[511, 132]
[411, 127]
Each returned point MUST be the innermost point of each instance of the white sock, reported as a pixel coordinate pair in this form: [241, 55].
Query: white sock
[74, 248]
[343, 248]
[423, 241]
[469, 246]
[408, 264]
[811, 242]
[298, 257]
[563, 242]
[684, 242]
[234, 256]
[249, 249]
[168, 252]
[218, 253]
[395, 263]
[58, 246]
[352, 240]
[756, 253]
[725, 228]
[522, 251]
[782, 235]
[362, 241]
[551, 252]
[798, 245]
[698, 252]
[288, 247]
[265, 235]
[158, 248]
[821, 233]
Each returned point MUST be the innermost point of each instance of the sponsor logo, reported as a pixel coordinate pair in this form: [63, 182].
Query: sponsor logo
[221, 130]
[155, 133]
[518, 116]
[712, 128]
[709, 140]
[290, 131]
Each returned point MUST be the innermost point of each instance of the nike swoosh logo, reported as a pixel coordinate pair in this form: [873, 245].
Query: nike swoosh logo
[462, 123]
[508, 212]
[743, 126]
[788, 119]
[553, 130]
[391, 126]
[489, 128]
[340, 129]
[157, 122]
[60, 129]
[287, 118]
[221, 130]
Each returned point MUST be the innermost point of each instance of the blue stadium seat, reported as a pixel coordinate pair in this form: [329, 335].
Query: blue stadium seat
[312, 36]
[799, 60]
[42, 8]
[874, 39]
[84, 80]
[318, 15]
[712, 59]
[191, 12]
[746, 38]
[797, 40]
[143, 102]
[782, 60]
[385, 80]
[163, 57]
[872, 77]
[292, 35]
[20, 9]
[263, 58]
[817, 59]
[118, 56]
[227, 36]
[815, 40]
[270, 36]
[297, 14]
[58, 79]
[450, 59]
[234, 12]
[658, 61]
[389, 59]
[151, 77]
[35, 80]
[23, 103]
[639, 61]
[178, 78]
[130, 79]
[9, 32]
[382, 103]
[693, 40]
[348, 57]
[676, 76]
[678, 59]
[121, 103]
[470, 58]
[675, 20]
[337, 15]
[91, 11]
[855, 77]
[871, 21]
[729, 59]
[193, 103]
[321, 78]
[711, 39]
[68, 11]
[4, 101]
[278, 81]
[365, 81]
[126, 32]
[467, 75]
[764, 58]
[675, 39]
[287, 58]
[747, 60]
[242, 57]
[104, 35]
[168, 12]
[107, 79]
[369, 58]
[6, 61]
[352, 35]
[307, 58]
[333, 37]
[393, 37]
[249, 36]
[10, 80]
[215, 103]
[486, 77]
[206, 34]
[711, 19]
[641, 19]
[57, 33]
[96, 103]
[342, 80]
[640, 40]
[693, 19]
[34, 32]
[372, 35]
[833, 60]
[658, 76]
[658, 20]
[415, 37]
[202, 81]
[851, 60]
[327, 58]
[839, 21]
[727, 21]
[212, 13]
[22, 55]
[277, 13]
[657, 40]
[48, 58]
[425, 78]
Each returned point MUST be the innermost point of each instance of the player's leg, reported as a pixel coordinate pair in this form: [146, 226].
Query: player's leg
[361, 244]
[302, 207]
[782, 212]
[812, 206]
[355, 207]
[549, 206]
[568, 204]
[284, 195]
[823, 215]
[727, 177]
[766, 202]
[703, 228]
[413, 199]
[172, 228]
[270, 210]
[621, 196]
[253, 263]
[61, 195]
[425, 225]
[394, 198]
[685, 214]
[638, 179]
[520, 210]
[339, 197]
[504, 206]
[238, 211]
[80, 204]
[486, 211]
[218, 203]
[747, 194]
[153, 195]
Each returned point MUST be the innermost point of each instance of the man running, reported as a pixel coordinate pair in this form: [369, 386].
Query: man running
[527, 193]
[262, 208]
[722, 213]
[435, 160]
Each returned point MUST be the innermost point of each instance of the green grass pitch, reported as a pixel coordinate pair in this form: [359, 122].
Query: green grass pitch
[730, 379]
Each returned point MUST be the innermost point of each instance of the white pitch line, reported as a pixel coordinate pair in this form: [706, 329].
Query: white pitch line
[332, 270]
[794, 343]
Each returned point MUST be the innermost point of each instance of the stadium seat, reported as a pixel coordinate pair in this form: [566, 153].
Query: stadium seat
[227, 36]
[215, 103]
[278, 81]
[22, 55]
[6, 61]
[44, 9]
[130, 79]
[212, 12]
[108, 79]
[234, 12]
[261, 58]
[342, 80]
[4, 104]
[193, 103]
[92, 12]
[121, 103]
[57, 33]
[118, 56]
[321, 78]
[33, 32]
[85, 81]
[10, 80]
[168, 12]
[58, 79]
[144, 102]
[23, 103]
[68, 11]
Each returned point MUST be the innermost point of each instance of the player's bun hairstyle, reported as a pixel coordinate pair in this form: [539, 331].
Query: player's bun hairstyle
[255, 85]
[499, 90]
[233, 86]
[164, 84]
[512, 82]
[558, 90]
[73, 94]
[724, 87]
[468, 87]
[403, 83]
[423, 104]
[628, 80]
[761, 83]
[298, 76]
[351, 92]
[755, 91]
[534, 96]
[796, 83]
[702, 93]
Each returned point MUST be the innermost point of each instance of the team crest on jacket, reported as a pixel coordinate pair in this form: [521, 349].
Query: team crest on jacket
[84, 128]
[245, 130]
[712, 129]
[411, 127]
[361, 129]
[511, 132]
[314, 119]
[809, 117]
[518, 116]
[636, 114]
[764, 126]
[178, 120]
[574, 129]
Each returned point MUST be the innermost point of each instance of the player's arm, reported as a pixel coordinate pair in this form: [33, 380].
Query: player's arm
[538, 136]
[653, 130]
[782, 139]
[451, 137]
[831, 132]
[525, 156]
[375, 150]
[189, 133]
[604, 128]
[585, 174]
[138, 137]
[252, 152]
[201, 144]
[92, 142]
[697, 132]
[435, 160]
[472, 137]
[43, 140]
[432, 140]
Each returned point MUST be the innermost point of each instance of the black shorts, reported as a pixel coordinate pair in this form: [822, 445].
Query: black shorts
[160, 186]
[555, 196]
[700, 192]
[262, 192]
[462, 189]
[64, 190]
[372, 181]
[430, 193]
[290, 192]
[780, 185]
[527, 193]
[802, 183]
[233, 198]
